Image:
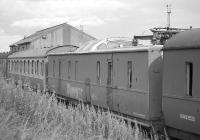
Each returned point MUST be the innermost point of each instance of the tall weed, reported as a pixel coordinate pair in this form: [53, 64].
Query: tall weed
[28, 115]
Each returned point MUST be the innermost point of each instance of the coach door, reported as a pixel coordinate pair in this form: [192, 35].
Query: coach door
[109, 84]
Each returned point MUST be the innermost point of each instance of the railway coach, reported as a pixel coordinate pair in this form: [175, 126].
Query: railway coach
[111, 74]
[181, 90]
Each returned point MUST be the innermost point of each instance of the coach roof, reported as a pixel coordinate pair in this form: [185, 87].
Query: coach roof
[189, 39]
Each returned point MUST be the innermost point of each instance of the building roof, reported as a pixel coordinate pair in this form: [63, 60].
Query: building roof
[39, 33]
[184, 40]
[30, 53]
[42, 52]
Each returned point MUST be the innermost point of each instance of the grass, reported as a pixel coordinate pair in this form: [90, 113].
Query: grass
[28, 115]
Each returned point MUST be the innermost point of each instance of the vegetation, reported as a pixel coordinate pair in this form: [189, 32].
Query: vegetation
[27, 115]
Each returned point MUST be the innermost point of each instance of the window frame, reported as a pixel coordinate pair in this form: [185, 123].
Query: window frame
[53, 70]
[98, 72]
[76, 70]
[60, 65]
[130, 74]
[69, 69]
[189, 78]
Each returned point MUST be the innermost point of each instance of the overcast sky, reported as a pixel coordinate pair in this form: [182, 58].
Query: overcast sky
[100, 18]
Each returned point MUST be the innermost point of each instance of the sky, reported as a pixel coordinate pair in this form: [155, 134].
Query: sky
[100, 18]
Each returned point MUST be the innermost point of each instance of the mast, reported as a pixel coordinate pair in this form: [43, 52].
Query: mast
[168, 15]
[160, 34]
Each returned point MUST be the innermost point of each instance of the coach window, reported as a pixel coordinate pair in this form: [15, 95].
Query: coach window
[54, 64]
[129, 73]
[59, 71]
[189, 78]
[69, 69]
[98, 71]
[76, 70]
[110, 74]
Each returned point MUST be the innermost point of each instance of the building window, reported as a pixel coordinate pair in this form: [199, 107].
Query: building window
[129, 74]
[42, 68]
[8, 66]
[76, 70]
[21, 63]
[54, 64]
[98, 71]
[16, 66]
[37, 70]
[189, 78]
[59, 68]
[32, 67]
[24, 70]
[69, 69]
[11, 66]
[28, 67]
[35, 67]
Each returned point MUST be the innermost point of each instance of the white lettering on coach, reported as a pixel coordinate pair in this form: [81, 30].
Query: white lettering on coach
[188, 117]
[74, 92]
